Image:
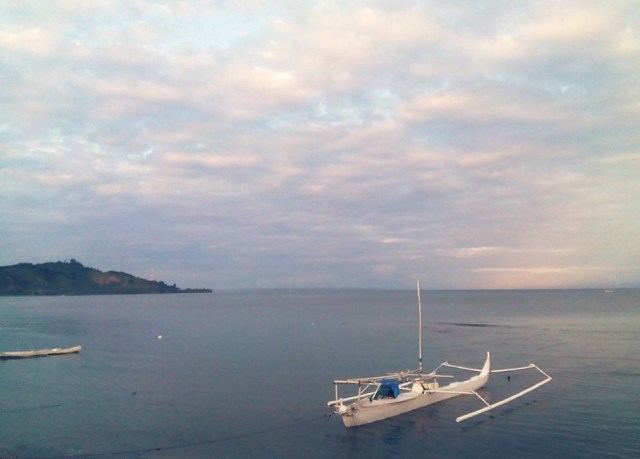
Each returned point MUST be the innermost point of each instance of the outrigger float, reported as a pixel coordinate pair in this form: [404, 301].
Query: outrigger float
[382, 397]
[39, 353]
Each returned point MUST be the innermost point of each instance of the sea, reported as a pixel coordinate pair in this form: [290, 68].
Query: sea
[248, 374]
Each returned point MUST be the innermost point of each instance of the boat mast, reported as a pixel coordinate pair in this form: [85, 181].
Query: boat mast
[419, 328]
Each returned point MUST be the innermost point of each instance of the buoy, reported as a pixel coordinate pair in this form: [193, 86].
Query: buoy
[159, 336]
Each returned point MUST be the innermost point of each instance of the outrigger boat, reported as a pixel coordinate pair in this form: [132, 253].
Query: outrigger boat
[382, 397]
[39, 353]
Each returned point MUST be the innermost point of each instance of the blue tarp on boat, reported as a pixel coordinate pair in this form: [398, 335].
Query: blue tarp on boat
[388, 389]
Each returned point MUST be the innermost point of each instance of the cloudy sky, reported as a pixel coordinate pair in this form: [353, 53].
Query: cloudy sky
[234, 144]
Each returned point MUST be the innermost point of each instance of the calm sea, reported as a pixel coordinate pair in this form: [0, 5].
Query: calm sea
[248, 374]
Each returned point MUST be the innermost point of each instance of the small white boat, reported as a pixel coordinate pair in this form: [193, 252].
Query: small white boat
[39, 353]
[382, 397]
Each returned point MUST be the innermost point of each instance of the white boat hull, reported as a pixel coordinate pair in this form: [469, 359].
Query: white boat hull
[39, 353]
[366, 410]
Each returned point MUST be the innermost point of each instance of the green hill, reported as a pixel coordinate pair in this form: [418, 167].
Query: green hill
[72, 278]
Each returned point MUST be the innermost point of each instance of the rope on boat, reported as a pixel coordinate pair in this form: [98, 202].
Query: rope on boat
[211, 441]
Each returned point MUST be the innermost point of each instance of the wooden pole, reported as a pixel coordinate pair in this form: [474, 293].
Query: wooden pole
[419, 329]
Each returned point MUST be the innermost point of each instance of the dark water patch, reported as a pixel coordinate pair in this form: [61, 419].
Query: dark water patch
[27, 409]
[474, 324]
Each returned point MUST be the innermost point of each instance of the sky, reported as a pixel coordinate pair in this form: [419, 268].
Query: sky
[295, 144]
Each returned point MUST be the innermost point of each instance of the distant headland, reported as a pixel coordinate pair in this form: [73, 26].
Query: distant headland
[73, 278]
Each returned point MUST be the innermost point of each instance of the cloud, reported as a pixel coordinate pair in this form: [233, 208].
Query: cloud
[29, 40]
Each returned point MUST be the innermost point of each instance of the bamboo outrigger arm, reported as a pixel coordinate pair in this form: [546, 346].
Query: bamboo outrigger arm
[491, 406]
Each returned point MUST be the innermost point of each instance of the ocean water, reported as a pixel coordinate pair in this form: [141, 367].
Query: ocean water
[248, 374]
